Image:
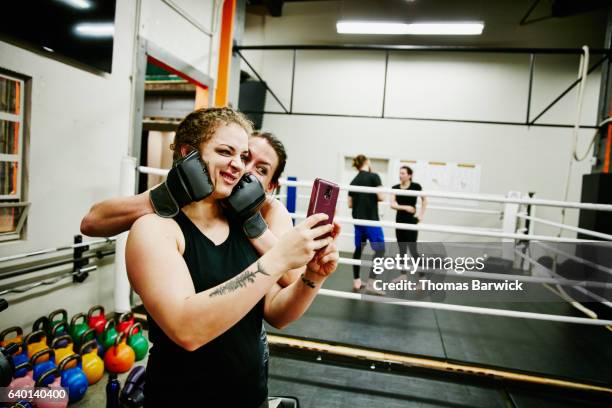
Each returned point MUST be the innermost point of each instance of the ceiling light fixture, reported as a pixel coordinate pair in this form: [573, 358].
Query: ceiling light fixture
[94, 30]
[77, 4]
[464, 28]
[385, 27]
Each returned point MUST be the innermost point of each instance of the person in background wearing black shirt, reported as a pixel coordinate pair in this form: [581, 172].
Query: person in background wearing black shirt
[407, 213]
[365, 207]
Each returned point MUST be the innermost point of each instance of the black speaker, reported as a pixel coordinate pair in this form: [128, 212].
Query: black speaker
[596, 188]
[252, 101]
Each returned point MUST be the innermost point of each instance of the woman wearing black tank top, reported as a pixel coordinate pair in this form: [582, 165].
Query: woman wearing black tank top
[407, 213]
[203, 287]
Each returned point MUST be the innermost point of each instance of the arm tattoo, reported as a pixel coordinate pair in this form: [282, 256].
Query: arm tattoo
[308, 282]
[239, 281]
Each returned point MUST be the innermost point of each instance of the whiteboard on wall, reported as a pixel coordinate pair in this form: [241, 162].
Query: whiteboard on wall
[445, 176]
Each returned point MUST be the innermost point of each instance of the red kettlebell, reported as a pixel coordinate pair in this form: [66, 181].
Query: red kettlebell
[120, 357]
[126, 321]
[96, 321]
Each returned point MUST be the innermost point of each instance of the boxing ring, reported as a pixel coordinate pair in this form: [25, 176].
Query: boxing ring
[516, 347]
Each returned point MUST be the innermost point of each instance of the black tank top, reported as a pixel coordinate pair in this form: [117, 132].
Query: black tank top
[227, 371]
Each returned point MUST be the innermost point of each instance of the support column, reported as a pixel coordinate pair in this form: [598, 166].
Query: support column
[225, 53]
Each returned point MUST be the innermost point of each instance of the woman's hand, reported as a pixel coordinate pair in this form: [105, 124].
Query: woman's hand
[298, 246]
[325, 261]
[409, 209]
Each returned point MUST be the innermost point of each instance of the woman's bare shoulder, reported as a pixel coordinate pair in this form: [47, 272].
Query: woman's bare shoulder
[152, 226]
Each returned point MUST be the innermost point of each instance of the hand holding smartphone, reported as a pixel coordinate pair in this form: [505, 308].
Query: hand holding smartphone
[323, 199]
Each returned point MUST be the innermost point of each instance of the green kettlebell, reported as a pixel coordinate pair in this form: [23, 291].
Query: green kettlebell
[54, 320]
[108, 335]
[77, 329]
[138, 342]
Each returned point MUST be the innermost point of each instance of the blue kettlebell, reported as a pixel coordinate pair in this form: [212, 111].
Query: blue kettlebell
[20, 357]
[44, 366]
[73, 378]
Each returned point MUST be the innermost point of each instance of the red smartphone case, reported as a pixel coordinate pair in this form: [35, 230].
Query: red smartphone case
[323, 199]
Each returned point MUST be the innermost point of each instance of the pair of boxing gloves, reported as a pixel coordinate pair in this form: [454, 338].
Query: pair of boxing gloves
[189, 181]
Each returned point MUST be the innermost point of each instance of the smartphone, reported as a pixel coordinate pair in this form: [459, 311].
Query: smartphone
[323, 199]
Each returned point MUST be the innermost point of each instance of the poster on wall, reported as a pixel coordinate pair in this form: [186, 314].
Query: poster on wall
[443, 176]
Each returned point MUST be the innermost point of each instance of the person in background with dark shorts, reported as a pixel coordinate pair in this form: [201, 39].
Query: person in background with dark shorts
[407, 213]
[365, 207]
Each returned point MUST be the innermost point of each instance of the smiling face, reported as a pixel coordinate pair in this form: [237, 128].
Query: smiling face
[226, 153]
[263, 162]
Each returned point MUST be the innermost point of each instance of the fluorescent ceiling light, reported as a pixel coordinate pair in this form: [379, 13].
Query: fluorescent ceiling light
[471, 28]
[383, 27]
[77, 4]
[94, 30]
[370, 27]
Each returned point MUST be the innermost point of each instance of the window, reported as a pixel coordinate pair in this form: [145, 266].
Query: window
[13, 208]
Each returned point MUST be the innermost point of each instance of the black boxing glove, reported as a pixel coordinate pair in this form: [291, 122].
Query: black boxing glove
[247, 198]
[187, 181]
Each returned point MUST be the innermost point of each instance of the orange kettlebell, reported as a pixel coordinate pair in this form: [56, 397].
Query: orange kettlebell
[120, 357]
[18, 338]
[33, 346]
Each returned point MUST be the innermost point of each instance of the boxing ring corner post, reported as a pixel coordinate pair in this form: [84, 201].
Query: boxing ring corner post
[509, 223]
[127, 187]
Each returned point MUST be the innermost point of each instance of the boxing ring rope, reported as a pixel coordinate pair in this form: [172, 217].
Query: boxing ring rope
[464, 309]
[584, 231]
[560, 281]
[493, 198]
[448, 229]
[129, 170]
[500, 276]
[429, 207]
[576, 258]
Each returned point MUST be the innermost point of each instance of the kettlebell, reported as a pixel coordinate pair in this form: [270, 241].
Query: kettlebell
[39, 368]
[137, 341]
[24, 380]
[126, 321]
[63, 347]
[73, 378]
[93, 366]
[88, 335]
[17, 338]
[53, 380]
[35, 342]
[7, 367]
[54, 319]
[96, 321]
[60, 329]
[42, 323]
[78, 325]
[19, 357]
[120, 357]
[108, 335]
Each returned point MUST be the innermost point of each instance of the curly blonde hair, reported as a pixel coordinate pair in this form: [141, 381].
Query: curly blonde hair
[199, 126]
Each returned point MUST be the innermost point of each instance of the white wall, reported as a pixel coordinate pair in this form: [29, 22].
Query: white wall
[174, 33]
[79, 132]
[489, 87]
